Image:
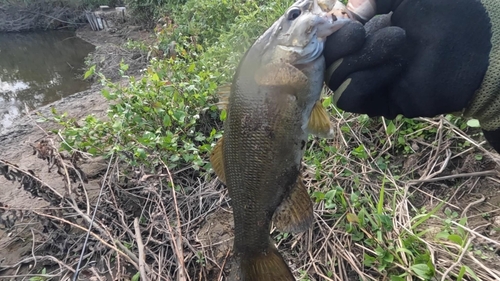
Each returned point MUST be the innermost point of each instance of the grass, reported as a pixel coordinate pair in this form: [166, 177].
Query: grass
[368, 196]
[407, 199]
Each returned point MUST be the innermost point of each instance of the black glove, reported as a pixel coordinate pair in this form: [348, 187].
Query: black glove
[426, 58]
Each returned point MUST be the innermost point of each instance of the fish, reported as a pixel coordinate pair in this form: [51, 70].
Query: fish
[272, 105]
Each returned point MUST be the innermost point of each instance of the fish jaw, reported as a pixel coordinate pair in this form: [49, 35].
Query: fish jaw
[299, 53]
[329, 24]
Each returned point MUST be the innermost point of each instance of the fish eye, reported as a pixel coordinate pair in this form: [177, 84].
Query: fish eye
[294, 13]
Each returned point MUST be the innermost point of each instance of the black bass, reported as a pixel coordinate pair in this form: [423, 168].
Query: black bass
[273, 105]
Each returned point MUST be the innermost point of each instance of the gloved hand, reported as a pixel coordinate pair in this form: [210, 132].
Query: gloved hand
[423, 59]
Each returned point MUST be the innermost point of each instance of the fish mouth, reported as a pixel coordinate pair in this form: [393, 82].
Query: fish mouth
[304, 54]
[308, 54]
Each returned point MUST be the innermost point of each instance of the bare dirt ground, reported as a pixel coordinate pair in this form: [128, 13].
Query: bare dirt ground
[17, 150]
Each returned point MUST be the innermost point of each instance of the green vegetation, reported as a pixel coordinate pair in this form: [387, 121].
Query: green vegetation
[359, 180]
[170, 113]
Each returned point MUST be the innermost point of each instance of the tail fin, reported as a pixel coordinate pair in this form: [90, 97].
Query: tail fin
[266, 266]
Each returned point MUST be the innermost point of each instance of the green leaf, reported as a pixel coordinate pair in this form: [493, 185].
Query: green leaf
[117, 125]
[179, 116]
[105, 93]
[155, 77]
[167, 122]
[141, 153]
[124, 66]
[327, 102]
[422, 270]
[223, 115]
[455, 239]
[380, 204]
[318, 195]
[474, 123]
[368, 260]
[388, 258]
[404, 250]
[461, 273]
[92, 151]
[391, 128]
[89, 72]
[136, 277]
[174, 158]
[352, 218]
[442, 235]
[471, 273]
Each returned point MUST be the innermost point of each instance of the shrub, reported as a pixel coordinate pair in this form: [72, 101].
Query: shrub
[169, 113]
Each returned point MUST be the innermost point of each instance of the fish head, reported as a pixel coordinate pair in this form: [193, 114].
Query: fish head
[300, 33]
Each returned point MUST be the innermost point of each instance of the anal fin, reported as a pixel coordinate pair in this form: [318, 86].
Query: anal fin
[319, 122]
[217, 160]
[295, 213]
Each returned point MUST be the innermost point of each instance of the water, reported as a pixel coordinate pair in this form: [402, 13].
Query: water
[38, 68]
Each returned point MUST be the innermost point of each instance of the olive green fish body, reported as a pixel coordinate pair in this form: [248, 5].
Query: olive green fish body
[263, 144]
[272, 102]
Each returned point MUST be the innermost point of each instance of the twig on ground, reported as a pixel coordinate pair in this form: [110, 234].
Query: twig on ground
[182, 273]
[492, 272]
[476, 233]
[129, 258]
[480, 200]
[463, 175]
[465, 249]
[223, 265]
[34, 259]
[140, 247]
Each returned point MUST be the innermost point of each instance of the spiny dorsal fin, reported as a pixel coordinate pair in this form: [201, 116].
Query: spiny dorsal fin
[295, 213]
[319, 122]
[223, 93]
[281, 74]
[217, 160]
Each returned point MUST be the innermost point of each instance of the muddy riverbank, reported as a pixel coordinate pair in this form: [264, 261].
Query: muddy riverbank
[108, 53]
[16, 141]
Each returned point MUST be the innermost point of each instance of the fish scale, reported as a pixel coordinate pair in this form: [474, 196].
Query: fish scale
[250, 143]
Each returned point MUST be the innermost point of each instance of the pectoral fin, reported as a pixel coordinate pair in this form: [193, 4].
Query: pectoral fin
[223, 93]
[295, 213]
[281, 74]
[319, 122]
[217, 160]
